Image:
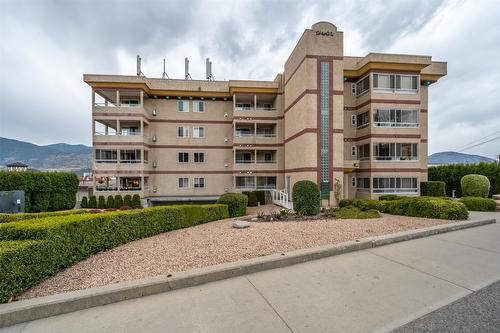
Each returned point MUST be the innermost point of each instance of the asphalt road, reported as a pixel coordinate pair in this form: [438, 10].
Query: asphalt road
[478, 312]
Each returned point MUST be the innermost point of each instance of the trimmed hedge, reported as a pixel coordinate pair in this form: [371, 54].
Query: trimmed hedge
[389, 197]
[118, 201]
[43, 247]
[433, 189]
[306, 197]
[479, 204]
[43, 191]
[136, 200]
[127, 200]
[101, 203]
[5, 218]
[475, 186]
[254, 197]
[236, 202]
[92, 201]
[355, 213]
[84, 203]
[429, 207]
[110, 202]
[452, 174]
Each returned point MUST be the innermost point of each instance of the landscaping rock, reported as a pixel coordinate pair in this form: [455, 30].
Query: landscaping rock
[240, 224]
[254, 219]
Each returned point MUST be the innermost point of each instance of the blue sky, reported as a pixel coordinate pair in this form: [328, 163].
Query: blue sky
[48, 45]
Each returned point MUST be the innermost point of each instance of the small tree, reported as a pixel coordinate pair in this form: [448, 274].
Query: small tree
[136, 200]
[101, 204]
[306, 197]
[84, 203]
[110, 202]
[127, 200]
[236, 202]
[118, 201]
[92, 202]
[475, 186]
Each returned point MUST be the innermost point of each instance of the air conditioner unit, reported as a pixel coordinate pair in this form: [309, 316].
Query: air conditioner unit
[226, 139]
[226, 115]
[154, 112]
[154, 138]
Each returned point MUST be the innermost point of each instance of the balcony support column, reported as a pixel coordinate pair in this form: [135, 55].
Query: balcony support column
[234, 102]
[93, 126]
[254, 129]
[118, 128]
[255, 156]
[142, 127]
[255, 102]
[141, 94]
[93, 97]
[118, 98]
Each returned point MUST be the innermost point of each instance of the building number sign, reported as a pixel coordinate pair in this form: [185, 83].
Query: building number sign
[324, 33]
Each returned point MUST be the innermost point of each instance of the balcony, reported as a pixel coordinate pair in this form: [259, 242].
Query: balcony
[254, 133]
[118, 101]
[254, 105]
[255, 160]
[255, 182]
[119, 131]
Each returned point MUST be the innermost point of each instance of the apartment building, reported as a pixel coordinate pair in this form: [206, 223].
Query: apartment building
[356, 126]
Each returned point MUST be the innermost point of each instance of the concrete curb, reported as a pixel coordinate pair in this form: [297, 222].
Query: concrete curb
[42, 307]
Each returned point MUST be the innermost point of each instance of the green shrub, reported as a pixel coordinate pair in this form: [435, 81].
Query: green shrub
[110, 202]
[353, 213]
[389, 197]
[92, 202]
[5, 218]
[475, 186]
[261, 196]
[101, 202]
[84, 203]
[306, 197]
[452, 174]
[118, 201]
[43, 191]
[430, 207]
[479, 204]
[252, 198]
[30, 251]
[136, 200]
[433, 189]
[127, 200]
[237, 203]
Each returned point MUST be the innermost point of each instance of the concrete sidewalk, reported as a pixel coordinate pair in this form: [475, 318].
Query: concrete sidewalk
[373, 290]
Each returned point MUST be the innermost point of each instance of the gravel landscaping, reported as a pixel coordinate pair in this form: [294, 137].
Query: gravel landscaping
[215, 243]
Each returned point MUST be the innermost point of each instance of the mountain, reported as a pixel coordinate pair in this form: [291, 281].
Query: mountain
[59, 156]
[451, 157]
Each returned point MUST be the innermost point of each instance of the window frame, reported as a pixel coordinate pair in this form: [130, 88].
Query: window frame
[196, 106]
[182, 187]
[184, 102]
[187, 132]
[198, 128]
[203, 182]
[184, 154]
[195, 157]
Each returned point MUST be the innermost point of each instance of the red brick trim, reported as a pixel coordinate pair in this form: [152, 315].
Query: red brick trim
[387, 101]
[305, 92]
[300, 133]
[310, 56]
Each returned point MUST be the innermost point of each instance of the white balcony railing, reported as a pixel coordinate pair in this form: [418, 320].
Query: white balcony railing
[395, 190]
[264, 109]
[396, 158]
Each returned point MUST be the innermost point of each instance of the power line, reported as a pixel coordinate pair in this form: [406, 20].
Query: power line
[473, 142]
[481, 143]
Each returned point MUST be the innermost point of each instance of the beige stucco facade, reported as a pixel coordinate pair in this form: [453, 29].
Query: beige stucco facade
[356, 126]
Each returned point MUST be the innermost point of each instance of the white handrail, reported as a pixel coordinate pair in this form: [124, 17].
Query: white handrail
[280, 198]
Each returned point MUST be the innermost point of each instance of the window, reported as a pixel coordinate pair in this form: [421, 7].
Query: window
[244, 132]
[199, 182]
[363, 85]
[363, 119]
[268, 158]
[396, 151]
[105, 156]
[364, 152]
[131, 130]
[183, 106]
[129, 103]
[395, 118]
[199, 157]
[363, 184]
[183, 157]
[244, 157]
[324, 99]
[395, 83]
[243, 106]
[130, 156]
[353, 120]
[198, 106]
[146, 156]
[244, 181]
[394, 185]
[130, 184]
[183, 132]
[353, 151]
[183, 182]
[353, 181]
[198, 132]
[266, 182]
